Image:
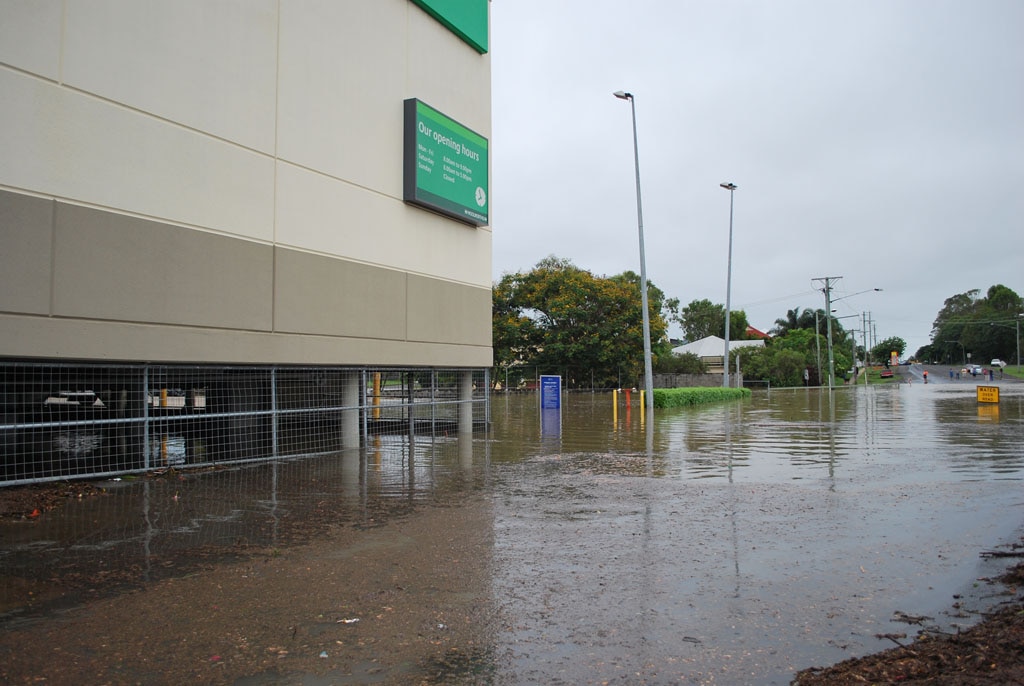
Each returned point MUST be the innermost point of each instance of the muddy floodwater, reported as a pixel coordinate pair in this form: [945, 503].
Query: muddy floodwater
[726, 544]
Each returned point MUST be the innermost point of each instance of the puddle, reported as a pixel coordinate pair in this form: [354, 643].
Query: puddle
[728, 544]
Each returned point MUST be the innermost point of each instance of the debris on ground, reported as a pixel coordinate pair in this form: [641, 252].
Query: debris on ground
[991, 652]
[29, 502]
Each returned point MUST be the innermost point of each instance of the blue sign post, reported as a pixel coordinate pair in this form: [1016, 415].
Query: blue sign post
[551, 404]
[550, 392]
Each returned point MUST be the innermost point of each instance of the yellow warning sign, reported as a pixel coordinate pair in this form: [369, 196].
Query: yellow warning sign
[988, 394]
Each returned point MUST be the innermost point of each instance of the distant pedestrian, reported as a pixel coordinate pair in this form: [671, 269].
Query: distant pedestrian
[950, 373]
[925, 376]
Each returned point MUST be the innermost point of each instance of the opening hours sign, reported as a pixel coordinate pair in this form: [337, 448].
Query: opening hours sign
[445, 165]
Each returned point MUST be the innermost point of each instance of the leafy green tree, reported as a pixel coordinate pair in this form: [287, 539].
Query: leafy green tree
[703, 318]
[786, 324]
[798, 319]
[788, 368]
[982, 326]
[814, 320]
[778, 365]
[1002, 301]
[883, 351]
[686, 363]
[925, 353]
[737, 325]
[560, 318]
[784, 359]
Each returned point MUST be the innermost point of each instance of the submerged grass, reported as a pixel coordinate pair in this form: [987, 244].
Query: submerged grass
[682, 397]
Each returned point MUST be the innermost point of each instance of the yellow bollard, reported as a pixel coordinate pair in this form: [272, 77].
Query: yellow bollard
[643, 407]
[615, 408]
[376, 395]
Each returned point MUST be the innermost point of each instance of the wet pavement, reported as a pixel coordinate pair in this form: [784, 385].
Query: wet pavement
[731, 544]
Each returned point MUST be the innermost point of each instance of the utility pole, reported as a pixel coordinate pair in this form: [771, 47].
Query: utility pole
[827, 290]
[867, 350]
[817, 344]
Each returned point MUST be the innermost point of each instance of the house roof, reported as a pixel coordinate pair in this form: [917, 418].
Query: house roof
[756, 333]
[713, 346]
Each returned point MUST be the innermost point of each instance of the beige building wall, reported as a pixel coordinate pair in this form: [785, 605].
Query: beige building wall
[221, 181]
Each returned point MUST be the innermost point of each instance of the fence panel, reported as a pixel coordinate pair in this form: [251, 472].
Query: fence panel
[61, 421]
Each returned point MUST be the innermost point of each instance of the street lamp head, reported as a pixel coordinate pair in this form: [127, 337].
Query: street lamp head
[728, 186]
[623, 95]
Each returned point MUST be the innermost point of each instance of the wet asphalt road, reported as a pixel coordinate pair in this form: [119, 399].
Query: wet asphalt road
[731, 544]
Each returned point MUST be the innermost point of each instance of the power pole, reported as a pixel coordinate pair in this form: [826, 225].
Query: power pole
[827, 290]
[867, 350]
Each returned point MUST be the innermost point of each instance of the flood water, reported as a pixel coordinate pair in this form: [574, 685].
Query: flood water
[725, 544]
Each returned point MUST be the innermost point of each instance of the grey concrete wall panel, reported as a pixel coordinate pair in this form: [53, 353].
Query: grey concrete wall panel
[50, 337]
[446, 312]
[117, 267]
[315, 294]
[26, 229]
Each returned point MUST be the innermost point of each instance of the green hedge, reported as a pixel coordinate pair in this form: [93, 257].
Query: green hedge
[682, 397]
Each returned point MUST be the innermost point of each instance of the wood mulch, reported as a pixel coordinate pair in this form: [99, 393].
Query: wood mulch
[991, 652]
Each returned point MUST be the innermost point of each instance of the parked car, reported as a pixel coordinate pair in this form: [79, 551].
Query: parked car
[998, 363]
[973, 370]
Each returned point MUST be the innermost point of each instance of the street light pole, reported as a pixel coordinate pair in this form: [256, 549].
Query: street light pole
[731, 187]
[648, 374]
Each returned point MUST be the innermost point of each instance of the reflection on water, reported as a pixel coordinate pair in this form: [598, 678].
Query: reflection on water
[780, 532]
[785, 435]
[739, 541]
[150, 528]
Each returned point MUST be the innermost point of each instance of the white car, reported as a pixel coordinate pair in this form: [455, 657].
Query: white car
[998, 363]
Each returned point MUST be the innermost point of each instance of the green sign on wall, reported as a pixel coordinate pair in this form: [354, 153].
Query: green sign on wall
[467, 19]
[445, 165]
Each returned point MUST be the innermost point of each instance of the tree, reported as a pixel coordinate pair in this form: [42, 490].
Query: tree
[982, 326]
[925, 353]
[797, 319]
[686, 363]
[884, 350]
[776, 365]
[563, 319]
[784, 358]
[787, 323]
[1003, 301]
[703, 318]
[809, 319]
[738, 325]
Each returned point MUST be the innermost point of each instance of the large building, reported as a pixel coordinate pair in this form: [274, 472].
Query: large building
[189, 186]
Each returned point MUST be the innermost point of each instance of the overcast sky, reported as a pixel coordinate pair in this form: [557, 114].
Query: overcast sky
[880, 141]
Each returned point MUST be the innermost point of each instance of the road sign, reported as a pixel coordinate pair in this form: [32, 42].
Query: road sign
[988, 394]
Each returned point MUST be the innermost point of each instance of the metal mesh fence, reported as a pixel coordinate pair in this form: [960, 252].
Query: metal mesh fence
[85, 420]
